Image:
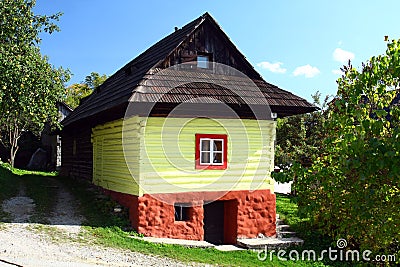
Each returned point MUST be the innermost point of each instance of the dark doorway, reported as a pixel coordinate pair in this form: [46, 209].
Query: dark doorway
[214, 222]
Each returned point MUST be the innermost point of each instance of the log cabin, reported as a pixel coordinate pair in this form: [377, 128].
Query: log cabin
[183, 136]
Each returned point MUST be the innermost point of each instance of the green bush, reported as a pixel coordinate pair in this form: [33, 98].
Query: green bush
[352, 189]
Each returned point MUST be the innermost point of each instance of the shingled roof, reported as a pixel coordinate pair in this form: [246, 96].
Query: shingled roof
[129, 83]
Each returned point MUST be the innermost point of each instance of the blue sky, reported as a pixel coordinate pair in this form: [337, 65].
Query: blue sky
[296, 45]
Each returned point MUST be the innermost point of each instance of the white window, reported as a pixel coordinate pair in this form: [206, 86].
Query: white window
[211, 151]
[203, 61]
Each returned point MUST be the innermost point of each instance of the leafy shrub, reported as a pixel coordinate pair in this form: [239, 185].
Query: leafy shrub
[352, 189]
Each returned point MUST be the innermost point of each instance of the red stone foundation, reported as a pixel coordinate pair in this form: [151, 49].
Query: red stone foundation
[246, 214]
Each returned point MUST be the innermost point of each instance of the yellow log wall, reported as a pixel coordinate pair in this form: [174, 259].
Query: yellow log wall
[160, 155]
[111, 168]
[167, 162]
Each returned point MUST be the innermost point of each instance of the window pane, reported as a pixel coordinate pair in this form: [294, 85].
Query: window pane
[205, 157]
[202, 62]
[182, 211]
[205, 145]
[218, 145]
[211, 151]
[217, 157]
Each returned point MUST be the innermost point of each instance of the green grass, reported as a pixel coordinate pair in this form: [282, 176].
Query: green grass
[97, 211]
[114, 237]
[287, 210]
[36, 185]
[9, 187]
[42, 190]
[104, 227]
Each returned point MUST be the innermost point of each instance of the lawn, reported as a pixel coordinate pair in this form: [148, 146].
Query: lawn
[35, 185]
[109, 229]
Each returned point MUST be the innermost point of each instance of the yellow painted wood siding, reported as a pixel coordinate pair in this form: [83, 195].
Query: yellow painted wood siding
[167, 161]
[159, 154]
[116, 162]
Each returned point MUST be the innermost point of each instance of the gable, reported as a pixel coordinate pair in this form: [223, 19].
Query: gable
[208, 39]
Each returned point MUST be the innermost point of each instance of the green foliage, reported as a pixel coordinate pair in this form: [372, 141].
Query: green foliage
[78, 91]
[94, 80]
[20, 26]
[298, 138]
[29, 85]
[30, 88]
[287, 209]
[352, 189]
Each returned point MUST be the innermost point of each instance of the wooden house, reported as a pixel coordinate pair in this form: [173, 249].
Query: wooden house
[51, 141]
[187, 147]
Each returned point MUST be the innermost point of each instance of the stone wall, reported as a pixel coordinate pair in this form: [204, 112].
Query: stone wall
[247, 214]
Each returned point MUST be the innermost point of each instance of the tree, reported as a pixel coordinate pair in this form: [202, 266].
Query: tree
[94, 80]
[29, 86]
[298, 138]
[352, 189]
[77, 91]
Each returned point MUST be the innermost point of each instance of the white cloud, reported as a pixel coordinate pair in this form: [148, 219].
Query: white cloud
[337, 72]
[272, 67]
[342, 56]
[307, 70]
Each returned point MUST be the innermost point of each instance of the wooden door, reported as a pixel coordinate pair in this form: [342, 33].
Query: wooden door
[214, 222]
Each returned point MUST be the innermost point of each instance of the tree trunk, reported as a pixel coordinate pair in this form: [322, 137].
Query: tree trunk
[13, 153]
[14, 136]
[294, 193]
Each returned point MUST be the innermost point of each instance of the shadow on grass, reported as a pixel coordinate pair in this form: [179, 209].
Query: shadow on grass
[17, 185]
[44, 189]
[97, 208]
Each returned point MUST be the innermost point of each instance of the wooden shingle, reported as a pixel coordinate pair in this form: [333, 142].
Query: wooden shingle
[130, 83]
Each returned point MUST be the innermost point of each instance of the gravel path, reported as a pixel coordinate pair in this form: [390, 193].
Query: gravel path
[23, 245]
[20, 207]
[28, 244]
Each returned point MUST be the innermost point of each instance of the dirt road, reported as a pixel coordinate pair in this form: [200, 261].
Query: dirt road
[59, 243]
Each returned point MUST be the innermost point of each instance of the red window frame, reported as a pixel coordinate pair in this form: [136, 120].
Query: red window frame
[211, 166]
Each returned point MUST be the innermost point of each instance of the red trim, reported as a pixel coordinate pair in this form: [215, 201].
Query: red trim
[199, 166]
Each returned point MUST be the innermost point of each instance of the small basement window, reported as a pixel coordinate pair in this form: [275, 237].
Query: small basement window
[181, 211]
[211, 151]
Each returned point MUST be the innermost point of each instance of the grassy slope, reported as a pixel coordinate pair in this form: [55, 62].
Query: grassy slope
[36, 185]
[9, 187]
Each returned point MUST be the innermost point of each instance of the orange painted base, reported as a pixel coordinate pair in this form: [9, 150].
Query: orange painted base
[246, 214]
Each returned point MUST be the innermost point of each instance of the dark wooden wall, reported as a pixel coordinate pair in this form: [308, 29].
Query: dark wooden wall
[78, 164]
[209, 40]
